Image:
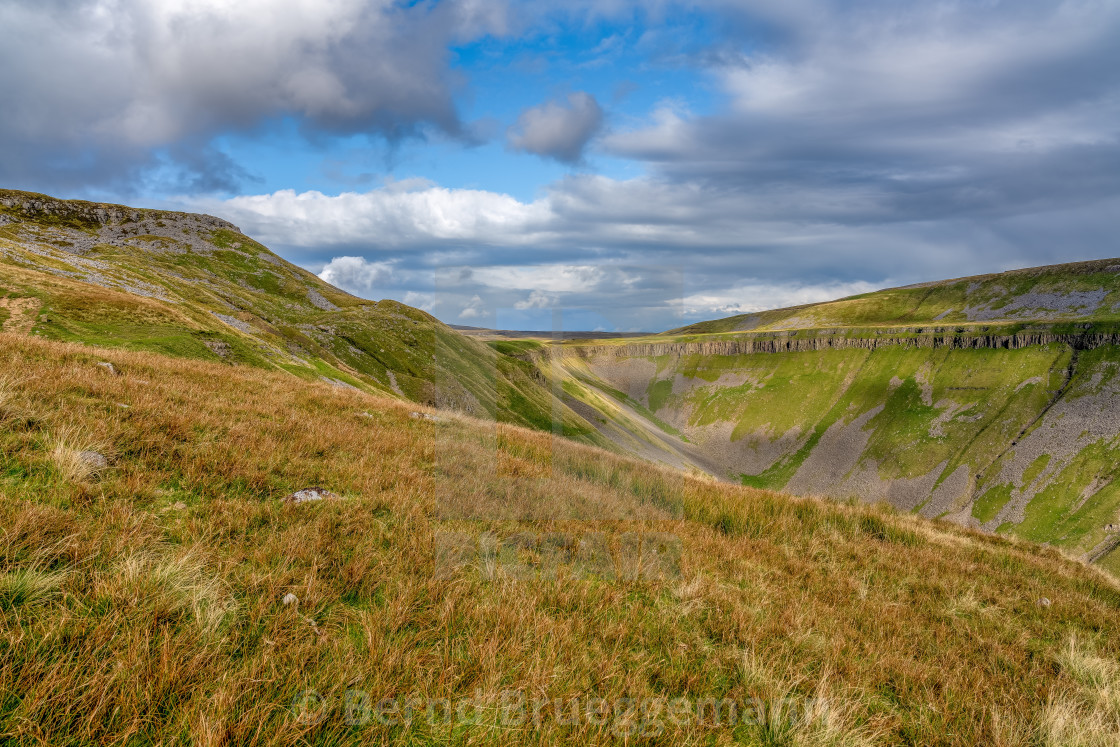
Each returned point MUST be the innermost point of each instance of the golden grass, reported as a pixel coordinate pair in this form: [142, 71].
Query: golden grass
[77, 457]
[145, 606]
[1088, 715]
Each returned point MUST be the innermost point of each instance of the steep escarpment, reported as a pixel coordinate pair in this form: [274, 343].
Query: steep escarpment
[1087, 337]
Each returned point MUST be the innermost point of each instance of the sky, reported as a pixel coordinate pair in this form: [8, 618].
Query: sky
[619, 165]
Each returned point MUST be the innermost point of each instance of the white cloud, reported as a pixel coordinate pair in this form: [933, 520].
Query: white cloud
[537, 299]
[397, 215]
[559, 130]
[111, 80]
[474, 309]
[357, 275]
[425, 301]
[760, 296]
[859, 144]
[552, 278]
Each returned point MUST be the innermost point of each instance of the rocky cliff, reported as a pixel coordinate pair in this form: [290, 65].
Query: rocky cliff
[1086, 339]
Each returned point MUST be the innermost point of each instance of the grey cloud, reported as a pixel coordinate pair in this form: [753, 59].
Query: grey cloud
[559, 130]
[97, 87]
[622, 243]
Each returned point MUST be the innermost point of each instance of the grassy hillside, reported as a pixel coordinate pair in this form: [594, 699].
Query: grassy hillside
[195, 287]
[1081, 291]
[141, 600]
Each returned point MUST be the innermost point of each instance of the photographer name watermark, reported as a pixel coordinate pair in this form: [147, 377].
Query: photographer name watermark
[530, 555]
[513, 709]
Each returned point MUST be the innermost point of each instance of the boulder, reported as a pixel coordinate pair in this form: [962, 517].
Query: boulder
[307, 495]
[93, 459]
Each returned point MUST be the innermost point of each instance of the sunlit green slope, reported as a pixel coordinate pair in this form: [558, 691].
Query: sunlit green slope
[1081, 291]
[194, 286]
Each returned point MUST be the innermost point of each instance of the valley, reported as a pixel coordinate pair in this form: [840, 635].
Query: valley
[279, 503]
[1009, 425]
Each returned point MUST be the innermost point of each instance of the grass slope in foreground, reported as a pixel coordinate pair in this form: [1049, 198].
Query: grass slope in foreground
[141, 602]
[195, 287]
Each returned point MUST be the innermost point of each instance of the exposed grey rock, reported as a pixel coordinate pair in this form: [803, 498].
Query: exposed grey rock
[235, 323]
[1086, 415]
[31, 207]
[946, 337]
[427, 416]
[338, 383]
[393, 381]
[1044, 602]
[319, 301]
[109, 367]
[289, 599]
[307, 495]
[93, 459]
[1040, 305]
[220, 348]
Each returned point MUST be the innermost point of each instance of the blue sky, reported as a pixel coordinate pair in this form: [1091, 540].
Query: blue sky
[628, 164]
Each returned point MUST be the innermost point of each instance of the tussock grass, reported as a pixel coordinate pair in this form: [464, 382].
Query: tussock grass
[1089, 714]
[27, 588]
[75, 456]
[149, 601]
[170, 587]
[13, 413]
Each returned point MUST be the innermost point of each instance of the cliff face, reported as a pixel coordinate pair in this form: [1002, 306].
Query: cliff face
[1015, 430]
[790, 344]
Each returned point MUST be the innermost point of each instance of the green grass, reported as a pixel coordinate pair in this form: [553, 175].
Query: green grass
[379, 346]
[935, 411]
[658, 393]
[943, 303]
[989, 503]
